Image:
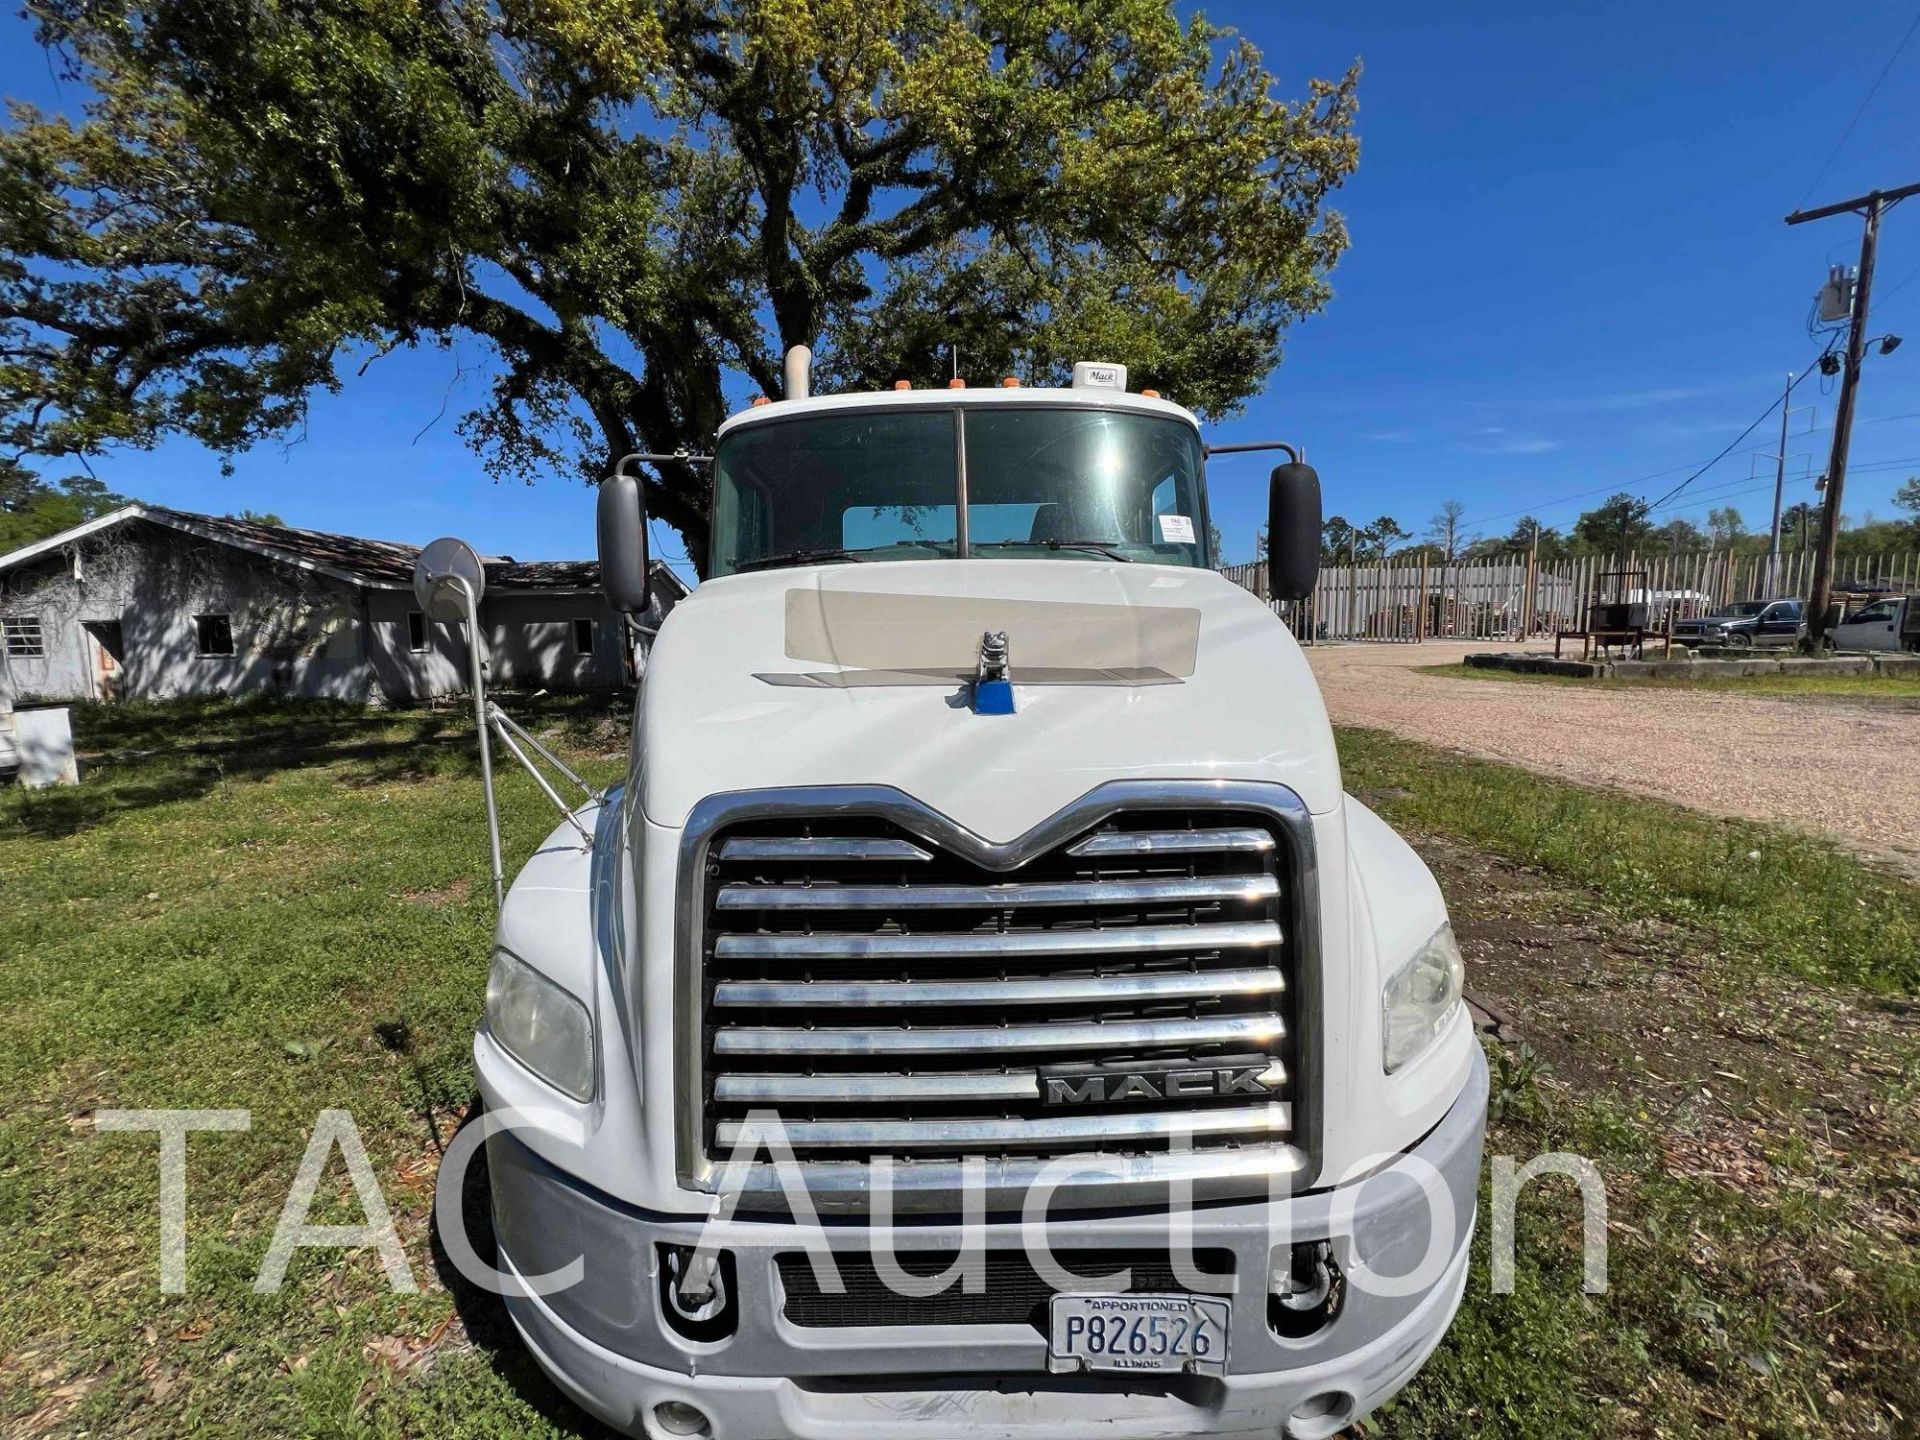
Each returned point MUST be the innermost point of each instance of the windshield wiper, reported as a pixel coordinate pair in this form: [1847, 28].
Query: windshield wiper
[793, 557]
[1094, 546]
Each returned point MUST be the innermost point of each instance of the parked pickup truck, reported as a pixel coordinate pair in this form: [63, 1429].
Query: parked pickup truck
[1745, 624]
[1890, 623]
[983, 940]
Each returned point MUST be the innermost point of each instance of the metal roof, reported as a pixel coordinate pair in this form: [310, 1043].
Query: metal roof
[376, 564]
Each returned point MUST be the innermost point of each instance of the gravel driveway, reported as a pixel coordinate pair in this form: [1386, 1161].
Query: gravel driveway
[1849, 770]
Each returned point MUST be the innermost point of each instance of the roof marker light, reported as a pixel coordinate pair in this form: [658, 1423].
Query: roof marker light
[760, 400]
[1151, 394]
[903, 384]
[1010, 382]
[956, 383]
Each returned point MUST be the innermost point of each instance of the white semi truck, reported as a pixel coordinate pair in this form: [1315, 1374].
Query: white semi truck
[981, 1012]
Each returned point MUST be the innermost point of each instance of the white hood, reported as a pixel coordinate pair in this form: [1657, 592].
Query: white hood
[738, 698]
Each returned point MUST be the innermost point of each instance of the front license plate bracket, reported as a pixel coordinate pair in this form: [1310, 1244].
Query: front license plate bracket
[1153, 1334]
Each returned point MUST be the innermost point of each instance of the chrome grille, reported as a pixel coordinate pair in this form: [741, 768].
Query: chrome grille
[884, 994]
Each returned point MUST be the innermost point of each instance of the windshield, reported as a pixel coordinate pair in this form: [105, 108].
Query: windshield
[1743, 610]
[1041, 482]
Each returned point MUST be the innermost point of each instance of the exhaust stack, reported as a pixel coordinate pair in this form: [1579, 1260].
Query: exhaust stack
[799, 362]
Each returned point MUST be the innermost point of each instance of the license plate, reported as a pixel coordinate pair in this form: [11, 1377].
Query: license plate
[1138, 1332]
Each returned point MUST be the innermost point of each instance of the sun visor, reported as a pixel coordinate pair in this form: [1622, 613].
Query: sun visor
[1049, 641]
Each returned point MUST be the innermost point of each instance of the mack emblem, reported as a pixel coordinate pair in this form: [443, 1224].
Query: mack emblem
[1157, 1085]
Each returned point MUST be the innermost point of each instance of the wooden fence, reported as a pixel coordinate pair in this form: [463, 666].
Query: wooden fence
[1511, 597]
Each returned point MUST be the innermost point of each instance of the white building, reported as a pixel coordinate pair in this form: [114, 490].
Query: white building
[150, 602]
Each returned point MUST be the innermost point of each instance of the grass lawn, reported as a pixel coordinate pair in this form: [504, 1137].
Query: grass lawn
[285, 909]
[1846, 687]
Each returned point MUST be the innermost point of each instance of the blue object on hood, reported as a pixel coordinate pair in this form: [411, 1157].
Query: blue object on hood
[993, 697]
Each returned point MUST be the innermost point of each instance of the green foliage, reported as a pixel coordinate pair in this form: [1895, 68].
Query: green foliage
[638, 208]
[31, 509]
[1615, 527]
[1526, 533]
[1877, 537]
[1678, 537]
[1342, 542]
[1725, 525]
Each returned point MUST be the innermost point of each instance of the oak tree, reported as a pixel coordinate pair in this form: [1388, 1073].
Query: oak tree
[637, 207]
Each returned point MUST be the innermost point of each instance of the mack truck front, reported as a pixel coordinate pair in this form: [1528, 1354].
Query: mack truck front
[981, 1011]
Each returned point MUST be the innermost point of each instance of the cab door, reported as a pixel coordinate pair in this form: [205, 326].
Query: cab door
[1779, 624]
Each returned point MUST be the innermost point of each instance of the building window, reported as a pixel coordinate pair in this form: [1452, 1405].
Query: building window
[24, 639]
[583, 637]
[215, 634]
[416, 631]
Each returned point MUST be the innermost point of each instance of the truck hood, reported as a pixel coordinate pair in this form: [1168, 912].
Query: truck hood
[851, 675]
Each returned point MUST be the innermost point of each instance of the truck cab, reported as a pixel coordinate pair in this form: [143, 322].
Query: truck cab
[981, 1011]
[1889, 623]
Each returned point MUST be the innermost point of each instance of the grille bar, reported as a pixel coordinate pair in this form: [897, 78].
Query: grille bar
[1174, 891]
[1172, 842]
[1273, 1118]
[1121, 1035]
[1138, 939]
[1079, 989]
[805, 847]
[863, 1089]
[868, 1088]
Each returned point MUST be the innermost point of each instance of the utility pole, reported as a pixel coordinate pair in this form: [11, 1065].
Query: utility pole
[1779, 489]
[1872, 206]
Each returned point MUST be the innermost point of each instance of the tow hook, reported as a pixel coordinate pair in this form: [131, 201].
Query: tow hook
[697, 1291]
[1304, 1290]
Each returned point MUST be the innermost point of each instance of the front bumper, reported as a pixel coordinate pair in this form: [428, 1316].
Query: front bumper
[607, 1344]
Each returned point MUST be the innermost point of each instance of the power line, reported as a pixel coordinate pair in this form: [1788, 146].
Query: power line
[1603, 489]
[1888, 464]
[1901, 286]
[1729, 490]
[1548, 506]
[1760, 489]
[1734, 445]
[1865, 101]
[1540, 505]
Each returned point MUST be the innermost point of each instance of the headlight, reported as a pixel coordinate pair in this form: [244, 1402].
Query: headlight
[1419, 998]
[540, 1025]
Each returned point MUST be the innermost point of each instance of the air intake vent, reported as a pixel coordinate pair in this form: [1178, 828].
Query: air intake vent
[885, 996]
[1010, 1291]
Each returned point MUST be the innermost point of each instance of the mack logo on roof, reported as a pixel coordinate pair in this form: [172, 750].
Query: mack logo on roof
[1096, 375]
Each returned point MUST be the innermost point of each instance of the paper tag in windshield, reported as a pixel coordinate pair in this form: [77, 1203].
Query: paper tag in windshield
[1176, 529]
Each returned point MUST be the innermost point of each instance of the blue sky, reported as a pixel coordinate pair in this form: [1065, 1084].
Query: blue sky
[1569, 276]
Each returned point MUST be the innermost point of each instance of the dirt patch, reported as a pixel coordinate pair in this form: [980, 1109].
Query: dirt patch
[446, 895]
[1651, 1010]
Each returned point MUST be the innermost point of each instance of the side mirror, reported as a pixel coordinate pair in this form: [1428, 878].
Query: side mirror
[446, 575]
[621, 523]
[1293, 531]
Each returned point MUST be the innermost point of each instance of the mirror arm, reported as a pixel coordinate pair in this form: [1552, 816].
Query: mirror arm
[506, 730]
[1292, 451]
[477, 663]
[643, 457]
